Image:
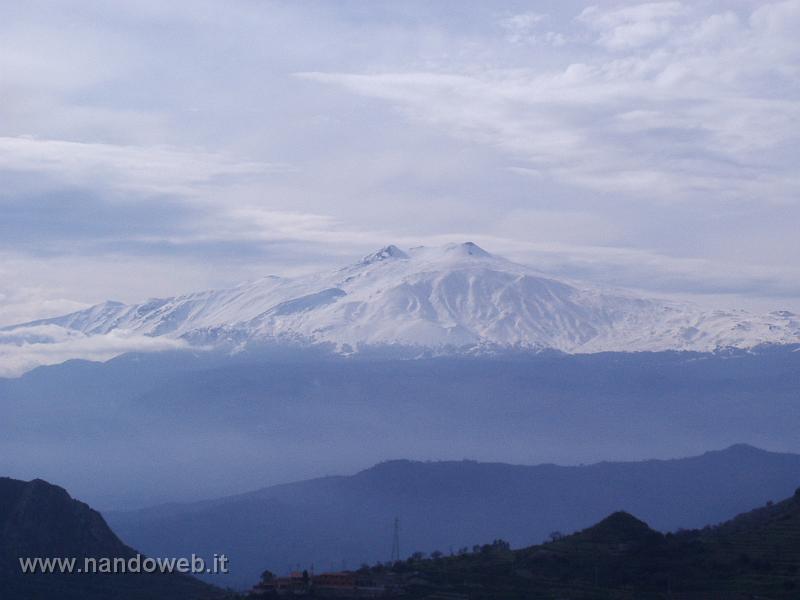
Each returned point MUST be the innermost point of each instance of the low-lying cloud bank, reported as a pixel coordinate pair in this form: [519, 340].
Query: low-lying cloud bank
[26, 348]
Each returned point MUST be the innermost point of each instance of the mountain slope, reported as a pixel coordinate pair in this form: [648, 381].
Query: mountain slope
[41, 520]
[755, 555]
[458, 297]
[453, 504]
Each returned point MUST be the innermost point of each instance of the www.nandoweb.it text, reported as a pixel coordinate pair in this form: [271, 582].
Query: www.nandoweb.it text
[193, 564]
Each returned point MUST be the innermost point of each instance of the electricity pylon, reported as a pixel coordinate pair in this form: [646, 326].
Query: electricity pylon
[396, 541]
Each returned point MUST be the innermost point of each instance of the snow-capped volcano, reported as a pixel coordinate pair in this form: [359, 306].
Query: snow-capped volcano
[455, 297]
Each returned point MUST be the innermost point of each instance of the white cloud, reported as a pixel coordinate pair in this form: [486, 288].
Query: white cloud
[150, 170]
[686, 120]
[633, 26]
[528, 28]
[23, 349]
[525, 27]
[53, 59]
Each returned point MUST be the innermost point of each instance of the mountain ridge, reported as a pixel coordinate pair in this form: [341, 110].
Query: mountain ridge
[452, 299]
[330, 519]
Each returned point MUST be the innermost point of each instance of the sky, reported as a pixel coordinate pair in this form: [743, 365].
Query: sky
[149, 148]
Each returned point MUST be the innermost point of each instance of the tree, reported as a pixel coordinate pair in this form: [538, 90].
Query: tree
[267, 576]
[555, 536]
[501, 544]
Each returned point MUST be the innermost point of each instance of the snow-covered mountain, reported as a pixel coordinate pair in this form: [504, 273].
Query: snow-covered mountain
[453, 298]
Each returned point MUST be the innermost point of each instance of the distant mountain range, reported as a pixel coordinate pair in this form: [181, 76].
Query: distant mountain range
[212, 424]
[38, 519]
[755, 555]
[456, 298]
[333, 521]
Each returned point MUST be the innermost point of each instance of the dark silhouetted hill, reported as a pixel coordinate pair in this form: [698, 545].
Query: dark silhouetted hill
[38, 519]
[755, 555]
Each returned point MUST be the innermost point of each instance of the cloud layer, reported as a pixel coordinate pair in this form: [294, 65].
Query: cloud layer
[681, 107]
[25, 348]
